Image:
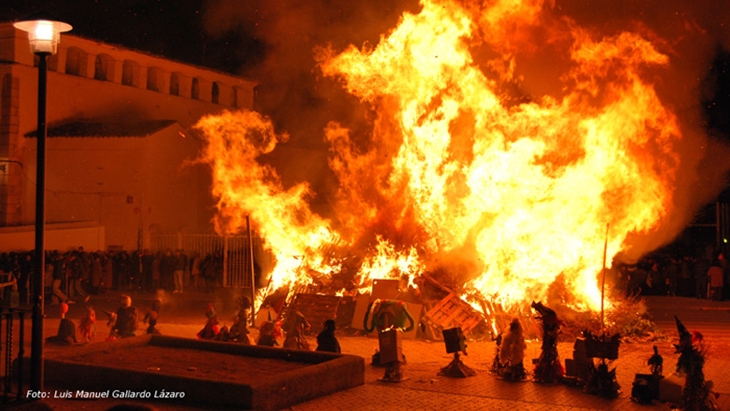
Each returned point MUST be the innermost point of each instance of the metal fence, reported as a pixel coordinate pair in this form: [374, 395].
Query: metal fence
[12, 350]
[234, 250]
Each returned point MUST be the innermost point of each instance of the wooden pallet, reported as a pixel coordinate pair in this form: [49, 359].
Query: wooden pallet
[499, 319]
[451, 312]
[316, 308]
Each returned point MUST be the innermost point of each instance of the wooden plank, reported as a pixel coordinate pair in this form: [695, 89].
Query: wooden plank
[451, 312]
[436, 308]
[316, 308]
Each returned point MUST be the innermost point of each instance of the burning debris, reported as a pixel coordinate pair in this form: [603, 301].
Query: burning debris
[477, 175]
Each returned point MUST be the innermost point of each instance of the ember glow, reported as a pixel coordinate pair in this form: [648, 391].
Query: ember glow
[462, 175]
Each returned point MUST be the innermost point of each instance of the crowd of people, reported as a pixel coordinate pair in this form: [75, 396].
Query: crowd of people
[77, 274]
[705, 277]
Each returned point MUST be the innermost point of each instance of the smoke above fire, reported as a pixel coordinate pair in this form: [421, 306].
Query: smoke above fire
[499, 146]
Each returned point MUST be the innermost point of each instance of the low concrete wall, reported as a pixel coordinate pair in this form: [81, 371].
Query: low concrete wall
[327, 373]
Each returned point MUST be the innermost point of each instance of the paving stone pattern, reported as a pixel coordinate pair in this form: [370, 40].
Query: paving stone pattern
[425, 390]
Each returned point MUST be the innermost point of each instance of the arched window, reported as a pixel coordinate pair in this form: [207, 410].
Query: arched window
[130, 73]
[154, 79]
[104, 67]
[175, 84]
[195, 89]
[215, 93]
[75, 61]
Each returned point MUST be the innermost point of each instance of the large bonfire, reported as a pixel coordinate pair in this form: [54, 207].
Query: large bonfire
[464, 175]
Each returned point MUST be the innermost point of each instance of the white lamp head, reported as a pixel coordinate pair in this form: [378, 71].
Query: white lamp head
[44, 33]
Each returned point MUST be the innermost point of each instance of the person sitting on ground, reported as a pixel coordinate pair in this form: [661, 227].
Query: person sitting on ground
[326, 340]
[210, 330]
[239, 330]
[66, 329]
[269, 332]
[151, 317]
[87, 326]
[126, 319]
[294, 328]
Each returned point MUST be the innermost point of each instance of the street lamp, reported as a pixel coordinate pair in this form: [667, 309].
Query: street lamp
[44, 34]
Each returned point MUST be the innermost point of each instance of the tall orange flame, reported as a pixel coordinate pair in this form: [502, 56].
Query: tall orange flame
[506, 193]
[244, 187]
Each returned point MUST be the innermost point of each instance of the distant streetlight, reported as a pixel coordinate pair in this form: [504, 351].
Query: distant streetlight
[44, 34]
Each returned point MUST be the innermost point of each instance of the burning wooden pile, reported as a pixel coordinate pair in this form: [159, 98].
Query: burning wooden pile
[459, 170]
[433, 306]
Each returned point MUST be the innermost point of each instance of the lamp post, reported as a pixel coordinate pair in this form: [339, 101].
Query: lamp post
[44, 34]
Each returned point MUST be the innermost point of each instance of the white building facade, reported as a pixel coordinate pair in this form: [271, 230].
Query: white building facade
[119, 140]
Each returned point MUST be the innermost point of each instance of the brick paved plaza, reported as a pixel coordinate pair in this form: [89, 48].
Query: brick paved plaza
[425, 390]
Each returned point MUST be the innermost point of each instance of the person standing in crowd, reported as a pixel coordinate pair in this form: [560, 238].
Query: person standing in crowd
[671, 276]
[97, 273]
[686, 286]
[700, 273]
[181, 262]
[196, 279]
[69, 273]
[725, 276]
[208, 272]
[26, 267]
[123, 270]
[84, 263]
[135, 269]
[145, 277]
[716, 276]
[108, 281]
[156, 279]
[167, 269]
[58, 275]
[59, 272]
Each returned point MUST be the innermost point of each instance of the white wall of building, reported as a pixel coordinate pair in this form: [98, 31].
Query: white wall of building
[131, 186]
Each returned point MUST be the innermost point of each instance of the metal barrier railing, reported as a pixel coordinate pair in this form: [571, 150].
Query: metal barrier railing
[234, 250]
[8, 318]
